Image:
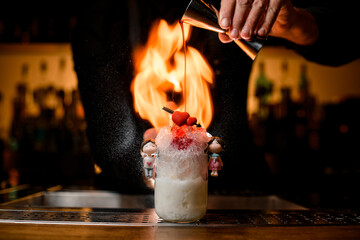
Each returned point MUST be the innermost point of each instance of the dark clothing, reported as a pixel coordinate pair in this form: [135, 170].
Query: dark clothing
[102, 48]
[338, 24]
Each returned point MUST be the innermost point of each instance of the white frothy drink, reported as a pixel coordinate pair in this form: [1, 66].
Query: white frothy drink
[181, 185]
[181, 200]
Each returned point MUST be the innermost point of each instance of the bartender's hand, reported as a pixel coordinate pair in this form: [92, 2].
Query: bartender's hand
[278, 18]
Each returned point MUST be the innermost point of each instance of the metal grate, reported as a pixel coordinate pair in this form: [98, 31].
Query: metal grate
[212, 218]
[260, 218]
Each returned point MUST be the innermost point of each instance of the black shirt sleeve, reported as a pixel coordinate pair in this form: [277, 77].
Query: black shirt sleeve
[337, 43]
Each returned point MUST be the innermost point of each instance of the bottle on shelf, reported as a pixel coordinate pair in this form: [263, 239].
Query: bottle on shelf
[285, 91]
[303, 85]
[18, 116]
[263, 90]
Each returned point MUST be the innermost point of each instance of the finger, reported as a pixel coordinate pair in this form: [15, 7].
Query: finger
[241, 11]
[226, 13]
[255, 14]
[270, 17]
[260, 22]
[224, 38]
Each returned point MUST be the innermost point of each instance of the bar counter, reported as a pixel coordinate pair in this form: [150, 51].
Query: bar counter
[64, 214]
[65, 231]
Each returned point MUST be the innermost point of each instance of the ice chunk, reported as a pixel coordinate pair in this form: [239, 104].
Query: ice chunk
[182, 152]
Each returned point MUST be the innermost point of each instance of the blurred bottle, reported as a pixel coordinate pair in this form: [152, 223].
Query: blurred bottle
[306, 100]
[42, 121]
[31, 108]
[285, 92]
[24, 73]
[263, 90]
[303, 85]
[78, 123]
[285, 79]
[19, 114]
[51, 104]
[60, 106]
[43, 74]
[307, 112]
[39, 134]
[61, 77]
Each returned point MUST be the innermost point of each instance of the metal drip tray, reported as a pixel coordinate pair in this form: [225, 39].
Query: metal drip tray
[86, 199]
[148, 217]
[108, 199]
[94, 207]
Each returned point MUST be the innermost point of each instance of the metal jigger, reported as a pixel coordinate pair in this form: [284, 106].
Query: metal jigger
[204, 15]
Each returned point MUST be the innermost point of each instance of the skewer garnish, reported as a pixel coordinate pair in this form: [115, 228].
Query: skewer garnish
[181, 118]
[168, 110]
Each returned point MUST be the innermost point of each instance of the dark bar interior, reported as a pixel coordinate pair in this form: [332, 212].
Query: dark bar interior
[70, 136]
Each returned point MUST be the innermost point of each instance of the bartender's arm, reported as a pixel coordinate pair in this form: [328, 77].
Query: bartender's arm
[246, 18]
[318, 30]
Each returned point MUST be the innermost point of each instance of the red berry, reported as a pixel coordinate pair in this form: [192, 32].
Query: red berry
[191, 121]
[179, 118]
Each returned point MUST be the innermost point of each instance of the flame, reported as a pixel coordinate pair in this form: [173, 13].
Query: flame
[159, 68]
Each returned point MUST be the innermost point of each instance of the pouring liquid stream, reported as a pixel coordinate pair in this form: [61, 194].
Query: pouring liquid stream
[184, 45]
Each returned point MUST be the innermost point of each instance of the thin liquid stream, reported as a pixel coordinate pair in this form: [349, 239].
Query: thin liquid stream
[184, 44]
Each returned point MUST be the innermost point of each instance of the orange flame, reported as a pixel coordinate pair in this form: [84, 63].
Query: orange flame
[159, 69]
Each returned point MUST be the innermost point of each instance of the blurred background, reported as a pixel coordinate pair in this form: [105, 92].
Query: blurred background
[303, 115]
